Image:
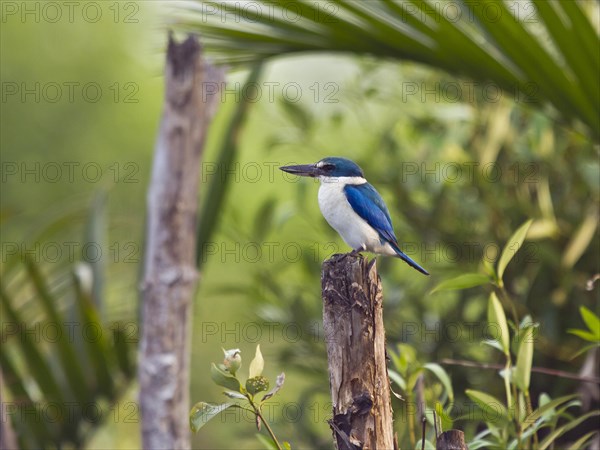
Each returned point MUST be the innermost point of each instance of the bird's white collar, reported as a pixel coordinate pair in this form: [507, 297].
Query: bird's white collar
[343, 180]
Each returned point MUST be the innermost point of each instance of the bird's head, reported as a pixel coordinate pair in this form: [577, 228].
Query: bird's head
[330, 167]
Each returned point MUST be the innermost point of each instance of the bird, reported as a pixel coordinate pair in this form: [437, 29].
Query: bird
[353, 207]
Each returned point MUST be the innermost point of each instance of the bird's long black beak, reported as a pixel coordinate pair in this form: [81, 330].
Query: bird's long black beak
[304, 170]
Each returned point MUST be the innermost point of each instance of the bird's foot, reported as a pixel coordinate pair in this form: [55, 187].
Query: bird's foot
[356, 251]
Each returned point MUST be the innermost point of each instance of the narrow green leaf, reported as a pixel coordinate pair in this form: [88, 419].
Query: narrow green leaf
[264, 219]
[580, 241]
[489, 404]
[296, 113]
[522, 373]
[397, 378]
[14, 382]
[591, 320]
[480, 443]
[497, 318]
[218, 185]
[547, 442]
[442, 375]
[465, 281]
[538, 413]
[224, 379]
[257, 364]
[584, 349]
[96, 234]
[98, 352]
[425, 445]
[512, 247]
[444, 416]
[266, 442]
[493, 343]
[585, 335]
[122, 342]
[582, 441]
[38, 367]
[233, 394]
[566, 39]
[71, 365]
[202, 412]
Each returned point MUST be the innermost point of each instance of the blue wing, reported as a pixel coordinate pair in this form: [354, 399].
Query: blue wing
[369, 205]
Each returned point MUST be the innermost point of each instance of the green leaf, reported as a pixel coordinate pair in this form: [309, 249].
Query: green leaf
[584, 349]
[585, 335]
[493, 343]
[38, 366]
[493, 407]
[547, 442]
[203, 412]
[397, 378]
[217, 187]
[71, 364]
[97, 349]
[266, 442]
[278, 385]
[264, 219]
[424, 445]
[296, 113]
[465, 281]
[497, 317]
[442, 375]
[522, 373]
[257, 364]
[444, 416]
[591, 320]
[543, 409]
[224, 379]
[95, 233]
[580, 443]
[512, 247]
[257, 384]
[233, 394]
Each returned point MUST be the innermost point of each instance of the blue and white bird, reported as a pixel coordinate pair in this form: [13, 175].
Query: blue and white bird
[353, 207]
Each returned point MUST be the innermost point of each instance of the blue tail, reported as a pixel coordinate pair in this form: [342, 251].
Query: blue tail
[403, 256]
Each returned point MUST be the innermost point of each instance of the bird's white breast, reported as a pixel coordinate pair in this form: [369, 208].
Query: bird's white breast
[338, 212]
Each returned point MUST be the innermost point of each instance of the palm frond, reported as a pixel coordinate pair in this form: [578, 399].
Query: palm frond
[556, 62]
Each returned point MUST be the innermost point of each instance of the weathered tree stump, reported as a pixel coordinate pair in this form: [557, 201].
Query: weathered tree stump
[355, 339]
[451, 440]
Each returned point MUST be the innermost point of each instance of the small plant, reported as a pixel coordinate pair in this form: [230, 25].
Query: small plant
[512, 423]
[244, 396]
[406, 374]
[592, 334]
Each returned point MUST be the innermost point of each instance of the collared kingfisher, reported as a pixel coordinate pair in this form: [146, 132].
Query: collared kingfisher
[353, 207]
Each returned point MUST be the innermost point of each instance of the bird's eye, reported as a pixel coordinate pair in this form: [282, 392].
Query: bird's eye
[328, 167]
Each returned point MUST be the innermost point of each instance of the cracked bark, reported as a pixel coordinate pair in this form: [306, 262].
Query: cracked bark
[170, 273]
[355, 339]
[451, 440]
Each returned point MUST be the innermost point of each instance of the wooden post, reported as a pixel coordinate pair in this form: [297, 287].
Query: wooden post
[451, 440]
[355, 339]
[170, 273]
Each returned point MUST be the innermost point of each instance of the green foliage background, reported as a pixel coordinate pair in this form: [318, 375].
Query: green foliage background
[515, 164]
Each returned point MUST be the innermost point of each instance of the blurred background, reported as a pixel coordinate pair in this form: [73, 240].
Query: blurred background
[461, 165]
